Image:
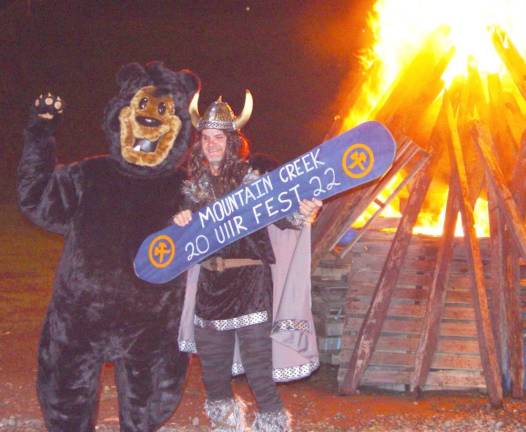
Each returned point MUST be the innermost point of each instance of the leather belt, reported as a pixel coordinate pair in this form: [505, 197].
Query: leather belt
[220, 264]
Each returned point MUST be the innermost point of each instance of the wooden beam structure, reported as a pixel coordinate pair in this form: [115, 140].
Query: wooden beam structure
[500, 277]
[374, 319]
[514, 339]
[494, 175]
[437, 295]
[510, 57]
[486, 337]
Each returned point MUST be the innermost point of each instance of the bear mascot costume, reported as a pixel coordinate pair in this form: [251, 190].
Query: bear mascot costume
[104, 207]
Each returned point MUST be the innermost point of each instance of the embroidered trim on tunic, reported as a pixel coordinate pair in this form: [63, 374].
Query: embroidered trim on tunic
[291, 324]
[232, 323]
[295, 372]
[187, 346]
[284, 374]
[238, 369]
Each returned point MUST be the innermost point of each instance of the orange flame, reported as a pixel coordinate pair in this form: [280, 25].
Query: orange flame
[400, 27]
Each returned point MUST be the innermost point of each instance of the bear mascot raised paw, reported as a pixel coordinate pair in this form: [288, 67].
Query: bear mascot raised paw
[104, 207]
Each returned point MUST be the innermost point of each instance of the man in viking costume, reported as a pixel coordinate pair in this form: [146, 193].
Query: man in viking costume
[231, 303]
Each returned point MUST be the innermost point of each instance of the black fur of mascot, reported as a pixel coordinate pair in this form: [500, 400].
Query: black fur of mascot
[105, 206]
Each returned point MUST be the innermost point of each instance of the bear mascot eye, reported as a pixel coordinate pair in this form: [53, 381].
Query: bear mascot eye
[161, 108]
[142, 103]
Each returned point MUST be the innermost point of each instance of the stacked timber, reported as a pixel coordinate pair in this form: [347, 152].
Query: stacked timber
[456, 364]
[329, 292]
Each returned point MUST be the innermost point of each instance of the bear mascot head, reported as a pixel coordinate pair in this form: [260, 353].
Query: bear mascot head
[148, 123]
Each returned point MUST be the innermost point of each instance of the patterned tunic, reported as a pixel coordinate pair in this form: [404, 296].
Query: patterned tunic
[240, 296]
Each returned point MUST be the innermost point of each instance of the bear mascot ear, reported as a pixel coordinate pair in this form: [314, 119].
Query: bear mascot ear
[183, 84]
[190, 81]
[131, 77]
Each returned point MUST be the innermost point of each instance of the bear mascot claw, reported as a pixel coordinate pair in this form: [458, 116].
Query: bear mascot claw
[105, 206]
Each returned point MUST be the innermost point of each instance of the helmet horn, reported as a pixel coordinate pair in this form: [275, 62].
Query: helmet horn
[193, 109]
[243, 118]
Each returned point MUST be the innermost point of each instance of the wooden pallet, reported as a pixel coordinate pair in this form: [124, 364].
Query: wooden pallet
[457, 363]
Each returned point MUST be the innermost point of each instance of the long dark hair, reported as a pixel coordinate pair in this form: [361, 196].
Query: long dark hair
[233, 168]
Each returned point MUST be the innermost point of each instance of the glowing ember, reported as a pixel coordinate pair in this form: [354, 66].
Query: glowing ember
[404, 29]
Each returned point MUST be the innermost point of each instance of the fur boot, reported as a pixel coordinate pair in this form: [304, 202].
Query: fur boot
[273, 421]
[226, 415]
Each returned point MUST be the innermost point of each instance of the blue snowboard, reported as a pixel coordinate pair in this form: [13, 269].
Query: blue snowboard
[351, 159]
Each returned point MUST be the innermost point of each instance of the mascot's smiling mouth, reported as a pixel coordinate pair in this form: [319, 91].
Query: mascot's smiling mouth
[148, 127]
[148, 121]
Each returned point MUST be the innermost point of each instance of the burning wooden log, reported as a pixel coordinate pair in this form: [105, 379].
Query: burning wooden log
[406, 102]
[504, 144]
[495, 176]
[510, 57]
[465, 113]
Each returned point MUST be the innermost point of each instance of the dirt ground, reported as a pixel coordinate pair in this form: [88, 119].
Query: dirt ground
[28, 261]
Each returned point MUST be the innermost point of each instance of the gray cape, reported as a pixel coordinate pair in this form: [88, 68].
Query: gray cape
[294, 348]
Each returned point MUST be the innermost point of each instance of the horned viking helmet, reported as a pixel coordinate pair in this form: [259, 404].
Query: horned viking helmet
[219, 115]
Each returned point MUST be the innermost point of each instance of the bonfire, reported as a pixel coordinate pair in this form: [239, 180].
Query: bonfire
[449, 80]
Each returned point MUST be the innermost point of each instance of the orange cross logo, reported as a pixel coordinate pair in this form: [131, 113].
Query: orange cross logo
[161, 251]
[358, 160]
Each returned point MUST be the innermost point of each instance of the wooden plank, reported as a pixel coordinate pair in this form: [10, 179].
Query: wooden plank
[453, 346]
[404, 279]
[466, 112]
[456, 362]
[459, 297]
[503, 139]
[440, 361]
[426, 68]
[501, 271]
[376, 315]
[510, 57]
[394, 310]
[512, 304]
[512, 308]
[398, 293]
[382, 358]
[437, 380]
[485, 331]
[454, 379]
[409, 343]
[415, 311]
[403, 327]
[453, 296]
[413, 327]
[366, 276]
[518, 185]
[494, 176]
[437, 295]
[413, 262]
[375, 377]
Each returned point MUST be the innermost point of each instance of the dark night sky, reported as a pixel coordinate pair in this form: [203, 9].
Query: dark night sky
[299, 59]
